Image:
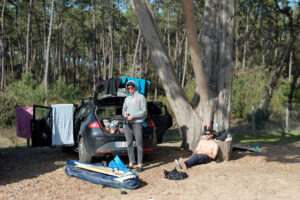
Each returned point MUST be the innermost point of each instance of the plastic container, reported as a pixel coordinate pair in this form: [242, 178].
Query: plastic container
[229, 137]
[112, 128]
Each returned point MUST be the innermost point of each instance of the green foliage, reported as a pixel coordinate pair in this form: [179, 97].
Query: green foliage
[280, 97]
[271, 138]
[248, 85]
[27, 91]
[64, 93]
[8, 105]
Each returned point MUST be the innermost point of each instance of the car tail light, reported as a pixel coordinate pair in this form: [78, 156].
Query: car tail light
[103, 151]
[150, 123]
[94, 125]
[148, 149]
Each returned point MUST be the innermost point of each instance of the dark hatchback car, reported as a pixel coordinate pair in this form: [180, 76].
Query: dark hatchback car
[98, 127]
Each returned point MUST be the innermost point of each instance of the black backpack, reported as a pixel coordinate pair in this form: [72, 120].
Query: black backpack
[175, 175]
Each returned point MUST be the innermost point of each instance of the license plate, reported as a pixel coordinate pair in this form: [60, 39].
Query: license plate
[123, 144]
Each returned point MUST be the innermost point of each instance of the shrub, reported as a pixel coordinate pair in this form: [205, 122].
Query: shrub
[27, 91]
[63, 93]
[8, 104]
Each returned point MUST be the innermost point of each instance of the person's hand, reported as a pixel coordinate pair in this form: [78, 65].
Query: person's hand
[129, 117]
[126, 114]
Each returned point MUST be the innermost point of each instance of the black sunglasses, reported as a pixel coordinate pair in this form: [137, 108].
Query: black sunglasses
[207, 133]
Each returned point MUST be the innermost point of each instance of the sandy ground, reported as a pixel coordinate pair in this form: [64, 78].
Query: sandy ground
[38, 173]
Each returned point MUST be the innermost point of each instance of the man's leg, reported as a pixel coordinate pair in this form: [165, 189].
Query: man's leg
[197, 159]
[138, 135]
[129, 139]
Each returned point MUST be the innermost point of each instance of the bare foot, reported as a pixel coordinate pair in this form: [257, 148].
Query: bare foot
[182, 164]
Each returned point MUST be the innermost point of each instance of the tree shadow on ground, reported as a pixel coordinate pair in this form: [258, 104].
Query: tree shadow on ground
[276, 147]
[25, 163]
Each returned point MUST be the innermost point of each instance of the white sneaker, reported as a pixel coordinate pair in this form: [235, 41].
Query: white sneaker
[177, 162]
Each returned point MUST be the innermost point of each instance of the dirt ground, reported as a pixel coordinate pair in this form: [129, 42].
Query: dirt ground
[38, 173]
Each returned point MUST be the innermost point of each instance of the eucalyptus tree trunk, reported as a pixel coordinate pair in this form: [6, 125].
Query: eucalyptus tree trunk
[103, 39]
[262, 38]
[111, 36]
[169, 41]
[2, 47]
[120, 55]
[45, 14]
[11, 54]
[142, 74]
[28, 36]
[246, 36]
[47, 53]
[291, 54]
[185, 62]
[135, 53]
[213, 71]
[94, 45]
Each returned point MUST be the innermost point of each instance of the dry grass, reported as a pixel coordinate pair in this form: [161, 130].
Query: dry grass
[9, 138]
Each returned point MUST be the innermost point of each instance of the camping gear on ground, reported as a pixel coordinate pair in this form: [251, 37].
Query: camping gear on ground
[117, 163]
[24, 115]
[247, 148]
[175, 174]
[100, 174]
[62, 128]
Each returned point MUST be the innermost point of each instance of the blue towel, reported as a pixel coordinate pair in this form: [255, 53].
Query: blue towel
[140, 83]
[62, 129]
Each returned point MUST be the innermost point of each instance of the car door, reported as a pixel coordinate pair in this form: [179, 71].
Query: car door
[158, 112]
[41, 126]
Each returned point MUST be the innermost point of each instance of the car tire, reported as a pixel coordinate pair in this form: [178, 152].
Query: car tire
[82, 152]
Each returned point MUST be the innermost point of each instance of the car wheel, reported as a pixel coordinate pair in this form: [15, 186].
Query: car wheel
[83, 154]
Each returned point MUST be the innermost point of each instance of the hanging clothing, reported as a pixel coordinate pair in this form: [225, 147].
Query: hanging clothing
[140, 83]
[24, 115]
[62, 129]
[111, 86]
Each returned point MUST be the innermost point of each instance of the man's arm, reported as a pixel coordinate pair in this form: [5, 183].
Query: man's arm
[198, 148]
[124, 110]
[215, 151]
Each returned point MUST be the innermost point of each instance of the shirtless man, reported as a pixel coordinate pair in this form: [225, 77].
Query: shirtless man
[205, 151]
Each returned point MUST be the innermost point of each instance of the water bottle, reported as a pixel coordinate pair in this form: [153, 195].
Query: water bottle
[112, 127]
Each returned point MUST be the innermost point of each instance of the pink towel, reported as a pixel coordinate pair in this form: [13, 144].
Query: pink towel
[24, 115]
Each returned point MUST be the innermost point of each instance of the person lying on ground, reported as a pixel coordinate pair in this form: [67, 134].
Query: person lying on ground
[205, 151]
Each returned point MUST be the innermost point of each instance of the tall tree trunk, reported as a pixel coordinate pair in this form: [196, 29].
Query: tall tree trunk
[169, 41]
[135, 53]
[185, 61]
[246, 35]
[188, 119]
[94, 45]
[28, 35]
[111, 36]
[11, 53]
[103, 39]
[120, 54]
[262, 38]
[142, 75]
[2, 47]
[47, 54]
